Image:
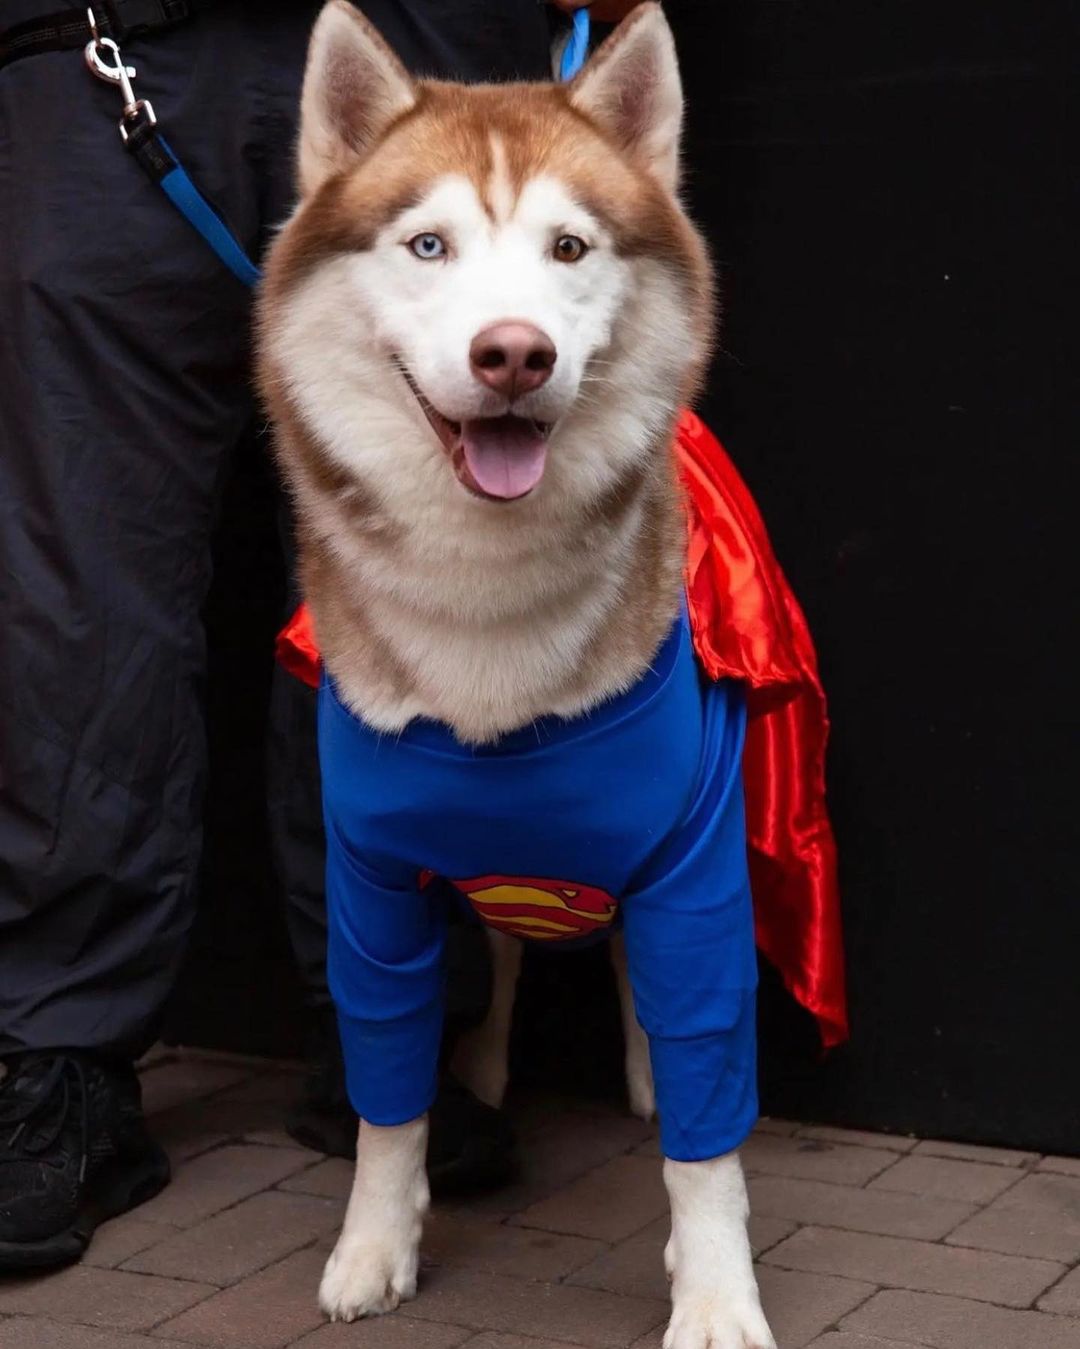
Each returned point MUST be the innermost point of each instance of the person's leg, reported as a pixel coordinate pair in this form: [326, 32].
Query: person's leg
[123, 364]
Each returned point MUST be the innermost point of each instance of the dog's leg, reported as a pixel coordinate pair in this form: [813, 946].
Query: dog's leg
[639, 1078]
[373, 1266]
[480, 1059]
[714, 1295]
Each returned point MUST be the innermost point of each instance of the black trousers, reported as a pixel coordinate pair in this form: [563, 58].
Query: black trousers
[124, 385]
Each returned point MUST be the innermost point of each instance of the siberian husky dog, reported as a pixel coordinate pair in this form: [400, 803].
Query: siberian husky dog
[476, 333]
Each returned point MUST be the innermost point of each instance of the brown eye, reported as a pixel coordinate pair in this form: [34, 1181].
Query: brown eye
[569, 248]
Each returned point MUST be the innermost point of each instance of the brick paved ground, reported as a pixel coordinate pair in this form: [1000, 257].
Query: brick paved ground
[864, 1241]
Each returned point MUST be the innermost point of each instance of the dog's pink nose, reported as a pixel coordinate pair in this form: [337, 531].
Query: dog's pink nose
[513, 358]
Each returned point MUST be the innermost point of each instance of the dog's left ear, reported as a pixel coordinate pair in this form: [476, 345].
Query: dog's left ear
[631, 87]
[354, 88]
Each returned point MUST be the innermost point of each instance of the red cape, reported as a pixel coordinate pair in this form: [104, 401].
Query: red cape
[747, 625]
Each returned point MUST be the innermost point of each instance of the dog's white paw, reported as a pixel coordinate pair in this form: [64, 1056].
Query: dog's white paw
[708, 1323]
[374, 1264]
[714, 1296]
[368, 1278]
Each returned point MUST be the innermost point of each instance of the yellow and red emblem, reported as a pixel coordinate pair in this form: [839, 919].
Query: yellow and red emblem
[536, 907]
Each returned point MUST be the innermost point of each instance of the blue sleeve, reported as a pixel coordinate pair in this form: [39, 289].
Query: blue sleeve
[385, 953]
[689, 933]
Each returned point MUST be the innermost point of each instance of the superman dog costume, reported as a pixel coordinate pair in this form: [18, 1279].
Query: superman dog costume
[746, 626]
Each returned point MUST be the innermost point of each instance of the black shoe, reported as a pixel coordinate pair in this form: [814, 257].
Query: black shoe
[471, 1146]
[74, 1151]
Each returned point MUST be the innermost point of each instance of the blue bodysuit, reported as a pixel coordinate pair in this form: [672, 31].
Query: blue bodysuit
[630, 814]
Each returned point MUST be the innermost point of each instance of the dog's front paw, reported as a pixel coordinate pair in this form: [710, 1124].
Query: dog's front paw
[373, 1266]
[368, 1277]
[708, 1323]
[714, 1296]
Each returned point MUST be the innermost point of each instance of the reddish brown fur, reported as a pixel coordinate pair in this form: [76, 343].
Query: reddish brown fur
[449, 130]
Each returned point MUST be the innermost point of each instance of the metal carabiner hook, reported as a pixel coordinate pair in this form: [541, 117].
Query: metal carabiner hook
[114, 71]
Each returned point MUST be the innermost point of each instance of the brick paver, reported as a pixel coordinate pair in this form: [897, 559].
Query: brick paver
[967, 1152]
[799, 1306]
[865, 1241]
[460, 1239]
[857, 1210]
[1050, 1235]
[124, 1237]
[828, 1133]
[1054, 1195]
[634, 1267]
[813, 1159]
[1014, 1281]
[218, 1179]
[974, 1182]
[100, 1297]
[1065, 1297]
[227, 1247]
[841, 1340]
[579, 1315]
[1067, 1166]
[955, 1323]
[24, 1332]
[610, 1203]
[331, 1178]
[269, 1310]
[784, 1127]
[489, 1340]
[391, 1332]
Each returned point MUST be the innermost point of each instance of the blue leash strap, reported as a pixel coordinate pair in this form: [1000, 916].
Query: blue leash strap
[144, 142]
[197, 211]
[577, 46]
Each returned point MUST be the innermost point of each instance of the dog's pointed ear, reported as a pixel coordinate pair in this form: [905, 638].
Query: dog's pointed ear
[354, 87]
[631, 88]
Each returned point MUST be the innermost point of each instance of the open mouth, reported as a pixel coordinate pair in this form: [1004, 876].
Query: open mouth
[497, 458]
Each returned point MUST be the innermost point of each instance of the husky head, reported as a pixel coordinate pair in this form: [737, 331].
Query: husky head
[487, 294]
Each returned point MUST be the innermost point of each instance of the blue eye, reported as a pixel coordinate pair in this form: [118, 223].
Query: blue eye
[427, 247]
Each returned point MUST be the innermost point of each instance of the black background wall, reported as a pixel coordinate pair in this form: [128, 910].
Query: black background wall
[888, 190]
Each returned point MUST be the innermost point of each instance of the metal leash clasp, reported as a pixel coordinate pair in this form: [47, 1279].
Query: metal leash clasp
[104, 60]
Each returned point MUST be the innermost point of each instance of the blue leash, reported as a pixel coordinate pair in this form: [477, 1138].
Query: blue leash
[577, 46]
[142, 138]
[197, 211]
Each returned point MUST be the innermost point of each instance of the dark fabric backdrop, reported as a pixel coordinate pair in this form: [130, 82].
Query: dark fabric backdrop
[889, 191]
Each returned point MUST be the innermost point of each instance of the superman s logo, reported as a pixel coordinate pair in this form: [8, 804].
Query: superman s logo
[536, 908]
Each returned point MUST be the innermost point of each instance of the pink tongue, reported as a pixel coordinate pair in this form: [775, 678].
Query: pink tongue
[505, 455]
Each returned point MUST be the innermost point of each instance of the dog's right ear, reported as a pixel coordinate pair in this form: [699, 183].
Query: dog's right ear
[354, 87]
